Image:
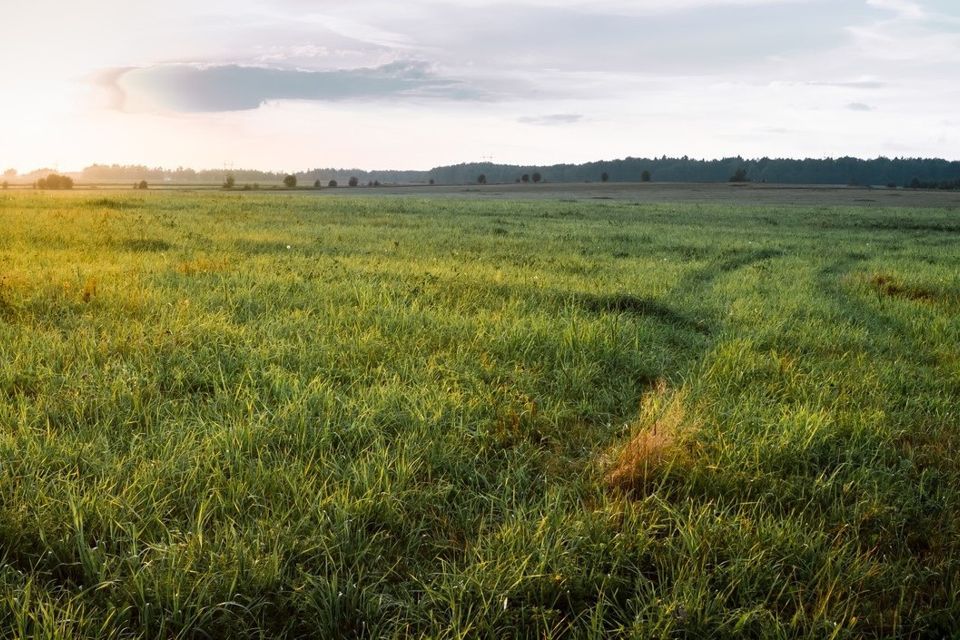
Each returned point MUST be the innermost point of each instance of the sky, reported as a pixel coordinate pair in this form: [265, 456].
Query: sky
[375, 84]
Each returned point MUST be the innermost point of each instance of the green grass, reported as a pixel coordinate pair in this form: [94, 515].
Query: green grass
[272, 416]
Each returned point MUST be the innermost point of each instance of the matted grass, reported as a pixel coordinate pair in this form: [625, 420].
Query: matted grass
[278, 416]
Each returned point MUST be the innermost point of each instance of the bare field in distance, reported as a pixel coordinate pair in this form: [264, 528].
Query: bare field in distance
[651, 192]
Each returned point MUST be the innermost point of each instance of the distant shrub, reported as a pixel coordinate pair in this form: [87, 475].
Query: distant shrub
[332, 184]
[316, 184]
[604, 177]
[55, 181]
[482, 179]
[290, 181]
[740, 175]
[103, 203]
[537, 177]
[645, 176]
[525, 177]
[142, 185]
[432, 182]
[229, 182]
[354, 181]
[946, 185]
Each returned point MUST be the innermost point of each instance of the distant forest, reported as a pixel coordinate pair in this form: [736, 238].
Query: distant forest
[902, 172]
[917, 172]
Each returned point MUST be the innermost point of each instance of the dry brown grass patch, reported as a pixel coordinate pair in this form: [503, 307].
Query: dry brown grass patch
[888, 285]
[89, 290]
[14, 285]
[199, 265]
[655, 447]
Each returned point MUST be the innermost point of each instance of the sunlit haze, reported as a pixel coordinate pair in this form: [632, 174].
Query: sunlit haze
[293, 84]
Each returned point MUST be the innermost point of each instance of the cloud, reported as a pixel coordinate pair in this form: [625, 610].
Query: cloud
[211, 88]
[359, 31]
[924, 45]
[552, 119]
[851, 84]
[859, 106]
[903, 8]
[612, 7]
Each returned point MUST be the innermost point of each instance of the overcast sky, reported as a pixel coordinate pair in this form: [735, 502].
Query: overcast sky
[294, 84]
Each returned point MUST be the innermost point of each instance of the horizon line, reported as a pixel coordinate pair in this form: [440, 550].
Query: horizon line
[661, 158]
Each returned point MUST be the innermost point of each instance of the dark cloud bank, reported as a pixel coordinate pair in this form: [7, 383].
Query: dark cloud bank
[191, 88]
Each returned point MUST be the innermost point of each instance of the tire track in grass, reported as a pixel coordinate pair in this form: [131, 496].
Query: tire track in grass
[654, 449]
[704, 277]
[908, 471]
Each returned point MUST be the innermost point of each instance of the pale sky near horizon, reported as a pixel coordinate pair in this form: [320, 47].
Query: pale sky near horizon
[375, 84]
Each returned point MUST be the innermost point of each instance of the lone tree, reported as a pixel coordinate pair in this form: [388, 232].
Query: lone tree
[354, 181]
[645, 176]
[482, 179]
[316, 184]
[142, 185]
[432, 182]
[332, 184]
[229, 181]
[55, 181]
[604, 177]
[537, 177]
[525, 177]
[290, 181]
[740, 175]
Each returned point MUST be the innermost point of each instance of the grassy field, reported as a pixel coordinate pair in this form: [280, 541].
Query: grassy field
[274, 416]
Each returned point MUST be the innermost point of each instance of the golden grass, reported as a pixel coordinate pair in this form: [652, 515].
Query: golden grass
[200, 265]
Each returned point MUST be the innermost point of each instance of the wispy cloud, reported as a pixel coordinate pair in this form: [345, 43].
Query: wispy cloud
[859, 106]
[850, 84]
[903, 8]
[552, 119]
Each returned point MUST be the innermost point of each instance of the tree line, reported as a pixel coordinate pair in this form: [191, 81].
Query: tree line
[157, 175]
[900, 172]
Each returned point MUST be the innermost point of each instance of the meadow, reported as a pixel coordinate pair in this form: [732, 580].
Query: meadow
[277, 416]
